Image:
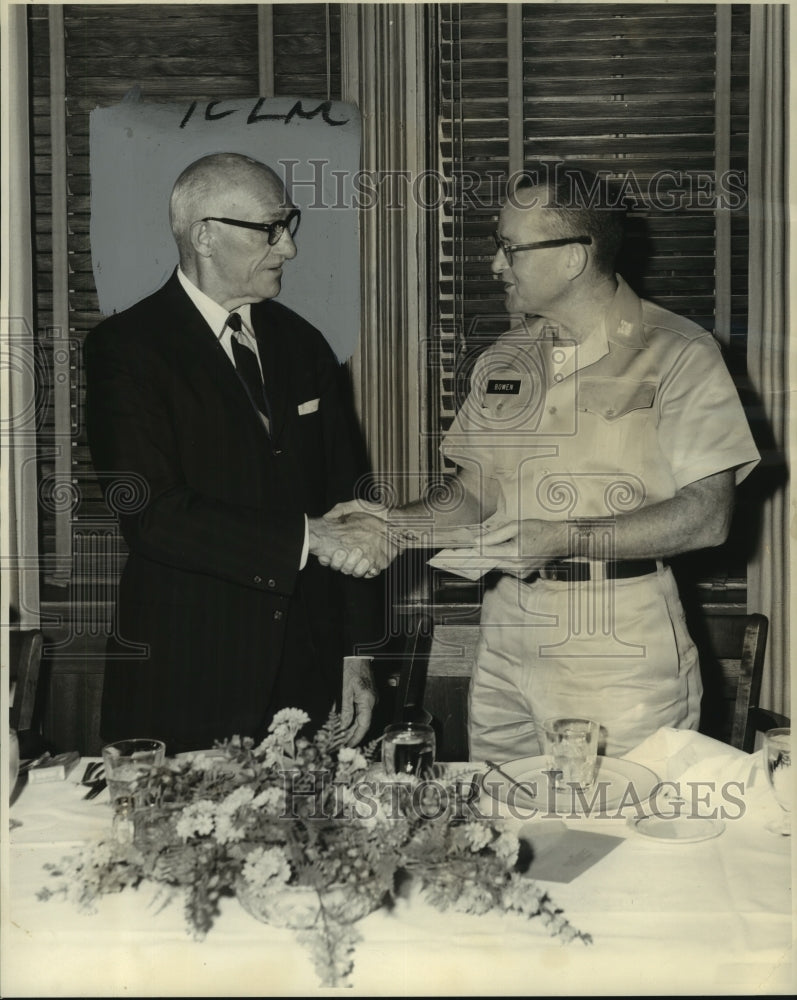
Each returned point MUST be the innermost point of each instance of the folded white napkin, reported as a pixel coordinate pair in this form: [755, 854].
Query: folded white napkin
[684, 755]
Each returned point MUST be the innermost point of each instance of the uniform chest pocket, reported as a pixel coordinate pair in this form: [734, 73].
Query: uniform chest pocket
[614, 398]
[511, 400]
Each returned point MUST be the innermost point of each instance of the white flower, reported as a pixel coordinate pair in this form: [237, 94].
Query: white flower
[204, 762]
[506, 848]
[291, 719]
[270, 799]
[272, 752]
[283, 729]
[353, 758]
[478, 835]
[196, 818]
[227, 832]
[266, 865]
[97, 855]
[240, 796]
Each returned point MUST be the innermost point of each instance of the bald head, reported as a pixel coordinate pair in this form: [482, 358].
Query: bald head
[216, 185]
[220, 210]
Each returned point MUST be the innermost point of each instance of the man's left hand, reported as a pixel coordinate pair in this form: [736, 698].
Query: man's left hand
[359, 698]
[520, 547]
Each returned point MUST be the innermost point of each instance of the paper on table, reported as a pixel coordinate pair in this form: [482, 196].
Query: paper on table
[560, 854]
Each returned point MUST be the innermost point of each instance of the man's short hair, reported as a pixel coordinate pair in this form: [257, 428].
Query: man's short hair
[581, 203]
[207, 178]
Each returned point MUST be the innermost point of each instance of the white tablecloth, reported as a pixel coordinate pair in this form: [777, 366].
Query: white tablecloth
[666, 918]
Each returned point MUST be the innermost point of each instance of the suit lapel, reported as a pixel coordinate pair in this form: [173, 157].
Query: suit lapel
[198, 348]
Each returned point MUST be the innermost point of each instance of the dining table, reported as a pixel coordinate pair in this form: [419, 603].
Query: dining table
[689, 910]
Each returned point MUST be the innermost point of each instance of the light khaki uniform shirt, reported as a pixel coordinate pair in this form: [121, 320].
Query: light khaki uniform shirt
[642, 408]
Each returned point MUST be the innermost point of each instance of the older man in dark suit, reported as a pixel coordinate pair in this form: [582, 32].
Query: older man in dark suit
[229, 409]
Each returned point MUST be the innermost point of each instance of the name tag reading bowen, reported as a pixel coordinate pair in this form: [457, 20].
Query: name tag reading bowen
[503, 386]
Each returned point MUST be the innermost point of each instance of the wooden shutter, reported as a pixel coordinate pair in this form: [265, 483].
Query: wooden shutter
[97, 55]
[633, 89]
[307, 50]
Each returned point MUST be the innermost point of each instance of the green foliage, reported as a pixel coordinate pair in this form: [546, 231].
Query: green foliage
[260, 822]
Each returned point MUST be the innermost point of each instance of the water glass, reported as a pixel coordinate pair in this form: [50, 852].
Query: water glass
[572, 749]
[126, 762]
[776, 751]
[409, 748]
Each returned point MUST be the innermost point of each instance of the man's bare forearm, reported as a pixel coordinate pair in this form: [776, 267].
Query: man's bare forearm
[462, 499]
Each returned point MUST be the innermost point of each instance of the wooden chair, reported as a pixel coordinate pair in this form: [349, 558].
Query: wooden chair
[732, 648]
[25, 653]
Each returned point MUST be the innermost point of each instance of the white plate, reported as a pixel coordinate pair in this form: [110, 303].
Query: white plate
[618, 784]
[678, 829]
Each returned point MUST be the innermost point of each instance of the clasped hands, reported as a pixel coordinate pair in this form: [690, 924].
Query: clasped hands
[356, 538]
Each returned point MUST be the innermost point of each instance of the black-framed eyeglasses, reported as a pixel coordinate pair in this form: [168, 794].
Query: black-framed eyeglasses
[507, 249]
[273, 230]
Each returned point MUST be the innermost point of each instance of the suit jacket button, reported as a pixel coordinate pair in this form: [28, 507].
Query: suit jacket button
[276, 451]
[278, 616]
[272, 584]
[258, 579]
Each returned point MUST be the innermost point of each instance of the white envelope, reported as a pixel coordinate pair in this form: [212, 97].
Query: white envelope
[466, 563]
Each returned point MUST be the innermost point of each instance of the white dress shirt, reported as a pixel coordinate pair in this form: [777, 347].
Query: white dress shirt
[216, 318]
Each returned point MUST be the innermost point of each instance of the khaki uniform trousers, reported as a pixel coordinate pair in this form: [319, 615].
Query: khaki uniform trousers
[616, 651]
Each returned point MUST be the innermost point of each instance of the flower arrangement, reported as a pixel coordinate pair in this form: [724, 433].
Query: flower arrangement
[308, 833]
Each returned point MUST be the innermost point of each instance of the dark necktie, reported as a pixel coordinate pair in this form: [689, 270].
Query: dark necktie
[247, 367]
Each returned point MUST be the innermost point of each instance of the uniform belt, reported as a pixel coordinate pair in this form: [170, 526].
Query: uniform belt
[574, 570]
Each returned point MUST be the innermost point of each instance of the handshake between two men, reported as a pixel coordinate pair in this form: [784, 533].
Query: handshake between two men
[354, 538]
[361, 539]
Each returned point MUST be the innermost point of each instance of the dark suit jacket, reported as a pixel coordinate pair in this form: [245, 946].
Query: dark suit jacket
[212, 510]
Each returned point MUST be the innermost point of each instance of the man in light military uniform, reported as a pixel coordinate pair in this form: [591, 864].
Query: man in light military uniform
[601, 435]
[616, 445]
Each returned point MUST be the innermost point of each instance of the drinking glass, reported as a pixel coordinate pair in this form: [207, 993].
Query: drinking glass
[572, 749]
[126, 762]
[409, 748]
[777, 761]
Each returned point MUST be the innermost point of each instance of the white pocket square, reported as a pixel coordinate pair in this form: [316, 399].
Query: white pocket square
[309, 407]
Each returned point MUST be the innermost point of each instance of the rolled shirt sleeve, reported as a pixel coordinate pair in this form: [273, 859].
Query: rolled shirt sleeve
[642, 413]
[702, 425]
